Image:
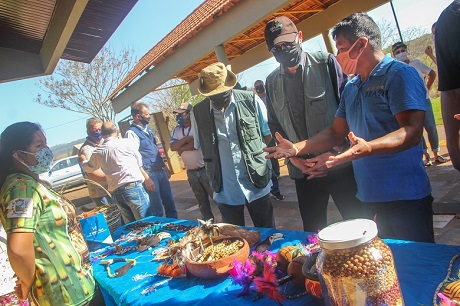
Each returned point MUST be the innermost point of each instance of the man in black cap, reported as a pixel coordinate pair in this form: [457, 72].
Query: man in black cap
[303, 94]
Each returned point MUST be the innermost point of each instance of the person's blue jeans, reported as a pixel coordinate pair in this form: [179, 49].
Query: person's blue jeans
[430, 127]
[132, 201]
[162, 196]
[275, 189]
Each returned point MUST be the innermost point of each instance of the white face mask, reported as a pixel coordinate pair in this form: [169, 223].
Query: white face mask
[401, 56]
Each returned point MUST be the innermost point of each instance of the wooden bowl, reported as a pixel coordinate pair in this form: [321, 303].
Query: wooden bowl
[217, 268]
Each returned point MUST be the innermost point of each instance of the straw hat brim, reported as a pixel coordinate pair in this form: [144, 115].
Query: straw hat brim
[230, 82]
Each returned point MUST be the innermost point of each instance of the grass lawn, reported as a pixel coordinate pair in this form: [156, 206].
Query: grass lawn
[436, 102]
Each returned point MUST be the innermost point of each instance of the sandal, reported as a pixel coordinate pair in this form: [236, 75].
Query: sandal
[440, 159]
[428, 162]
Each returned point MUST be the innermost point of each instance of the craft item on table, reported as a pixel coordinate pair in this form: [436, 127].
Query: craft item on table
[141, 225]
[154, 286]
[257, 273]
[119, 250]
[177, 227]
[151, 241]
[448, 291]
[265, 245]
[287, 253]
[225, 229]
[312, 284]
[120, 271]
[214, 259]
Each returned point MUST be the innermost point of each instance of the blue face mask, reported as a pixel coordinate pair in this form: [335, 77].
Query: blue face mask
[95, 136]
[180, 120]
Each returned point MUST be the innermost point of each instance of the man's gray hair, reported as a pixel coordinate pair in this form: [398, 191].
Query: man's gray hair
[92, 122]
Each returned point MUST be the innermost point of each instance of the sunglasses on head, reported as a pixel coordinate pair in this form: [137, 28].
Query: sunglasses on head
[283, 45]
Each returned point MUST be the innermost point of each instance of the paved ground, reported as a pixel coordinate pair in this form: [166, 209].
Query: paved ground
[445, 182]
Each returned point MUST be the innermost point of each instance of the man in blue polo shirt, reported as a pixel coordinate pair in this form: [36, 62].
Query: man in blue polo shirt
[382, 109]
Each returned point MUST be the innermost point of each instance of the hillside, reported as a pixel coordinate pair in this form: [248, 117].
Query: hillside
[64, 150]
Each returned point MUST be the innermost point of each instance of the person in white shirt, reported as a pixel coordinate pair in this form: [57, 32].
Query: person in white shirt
[182, 141]
[122, 164]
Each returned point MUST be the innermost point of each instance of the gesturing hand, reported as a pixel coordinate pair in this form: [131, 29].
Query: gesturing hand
[359, 148]
[316, 166]
[285, 148]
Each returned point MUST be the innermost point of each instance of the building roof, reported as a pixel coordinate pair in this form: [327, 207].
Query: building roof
[235, 30]
[202, 17]
[73, 30]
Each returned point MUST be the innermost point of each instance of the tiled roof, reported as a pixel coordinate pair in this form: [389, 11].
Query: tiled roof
[200, 18]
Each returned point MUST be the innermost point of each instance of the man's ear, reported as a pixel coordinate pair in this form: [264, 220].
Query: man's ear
[300, 35]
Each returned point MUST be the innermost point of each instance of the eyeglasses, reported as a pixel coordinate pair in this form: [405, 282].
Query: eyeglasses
[283, 45]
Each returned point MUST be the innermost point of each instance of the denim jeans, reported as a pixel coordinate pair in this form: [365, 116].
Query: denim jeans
[133, 202]
[430, 127]
[260, 210]
[102, 200]
[203, 192]
[275, 185]
[162, 196]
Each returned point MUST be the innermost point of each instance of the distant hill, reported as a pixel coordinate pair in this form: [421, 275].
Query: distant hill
[64, 150]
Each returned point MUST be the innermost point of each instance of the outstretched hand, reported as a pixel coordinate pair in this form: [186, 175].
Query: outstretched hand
[285, 148]
[316, 166]
[359, 148]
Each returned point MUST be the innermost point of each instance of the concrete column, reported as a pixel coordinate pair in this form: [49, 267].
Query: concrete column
[220, 54]
[165, 136]
[330, 45]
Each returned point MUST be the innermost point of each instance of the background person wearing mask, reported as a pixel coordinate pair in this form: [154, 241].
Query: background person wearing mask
[382, 111]
[303, 95]
[161, 195]
[94, 139]
[182, 141]
[400, 53]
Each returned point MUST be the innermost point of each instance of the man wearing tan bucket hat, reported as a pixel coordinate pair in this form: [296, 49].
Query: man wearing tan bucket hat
[230, 126]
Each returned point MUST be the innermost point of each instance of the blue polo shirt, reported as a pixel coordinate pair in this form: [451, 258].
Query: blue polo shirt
[370, 108]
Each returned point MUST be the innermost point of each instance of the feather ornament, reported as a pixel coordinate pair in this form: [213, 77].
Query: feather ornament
[268, 285]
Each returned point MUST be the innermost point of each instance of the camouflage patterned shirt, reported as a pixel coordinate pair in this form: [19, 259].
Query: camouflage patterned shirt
[63, 274]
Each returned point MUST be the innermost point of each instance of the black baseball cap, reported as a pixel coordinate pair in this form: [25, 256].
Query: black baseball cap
[279, 29]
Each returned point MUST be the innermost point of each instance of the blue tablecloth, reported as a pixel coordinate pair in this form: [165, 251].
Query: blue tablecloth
[420, 267]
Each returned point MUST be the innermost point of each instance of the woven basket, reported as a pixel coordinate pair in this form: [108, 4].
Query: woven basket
[111, 212]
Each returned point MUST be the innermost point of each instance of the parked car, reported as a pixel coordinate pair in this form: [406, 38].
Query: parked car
[64, 172]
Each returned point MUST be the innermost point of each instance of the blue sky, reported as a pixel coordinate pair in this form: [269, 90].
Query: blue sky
[148, 23]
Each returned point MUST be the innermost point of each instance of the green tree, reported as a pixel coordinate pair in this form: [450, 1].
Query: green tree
[84, 88]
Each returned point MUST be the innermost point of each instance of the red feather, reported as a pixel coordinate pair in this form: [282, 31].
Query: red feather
[268, 284]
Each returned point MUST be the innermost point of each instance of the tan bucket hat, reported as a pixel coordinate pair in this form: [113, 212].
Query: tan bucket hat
[216, 78]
